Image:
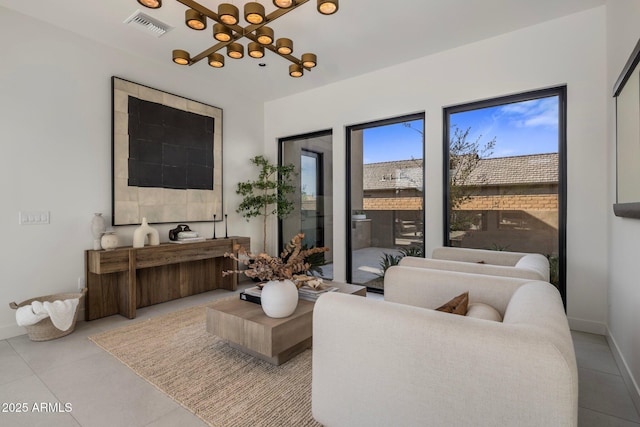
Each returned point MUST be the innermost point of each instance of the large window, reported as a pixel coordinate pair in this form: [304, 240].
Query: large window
[385, 196]
[505, 176]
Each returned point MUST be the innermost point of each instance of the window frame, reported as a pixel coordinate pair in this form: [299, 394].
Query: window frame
[561, 93]
[348, 175]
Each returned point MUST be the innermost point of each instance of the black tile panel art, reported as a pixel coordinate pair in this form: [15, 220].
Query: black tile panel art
[169, 148]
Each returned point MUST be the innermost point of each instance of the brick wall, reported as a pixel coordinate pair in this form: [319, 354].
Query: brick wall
[532, 202]
[392, 204]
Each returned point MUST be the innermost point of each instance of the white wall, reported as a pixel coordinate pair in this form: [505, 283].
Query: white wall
[623, 33]
[567, 51]
[55, 131]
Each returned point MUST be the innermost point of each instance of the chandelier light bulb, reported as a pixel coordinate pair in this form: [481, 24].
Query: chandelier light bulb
[283, 4]
[256, 50]
[195, 20]
[309, 60]
[181, 57]
[284, 46]
[151, 4]
[221, 33]
[254, 13]
[216, 60]
[228, 13]
[235, 50]
[327, 7]
[295, 70]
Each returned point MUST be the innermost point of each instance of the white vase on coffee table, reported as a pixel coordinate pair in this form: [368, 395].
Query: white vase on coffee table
[279, 298]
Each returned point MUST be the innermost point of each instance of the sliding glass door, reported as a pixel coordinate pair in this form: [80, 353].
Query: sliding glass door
[313, 195]
[385, 202]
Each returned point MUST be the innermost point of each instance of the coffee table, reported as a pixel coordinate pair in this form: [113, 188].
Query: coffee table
[245, 326]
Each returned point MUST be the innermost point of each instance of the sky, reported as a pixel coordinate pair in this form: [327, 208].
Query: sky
[528, 127]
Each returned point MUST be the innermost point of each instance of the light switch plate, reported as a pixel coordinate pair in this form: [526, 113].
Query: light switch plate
[33, 217]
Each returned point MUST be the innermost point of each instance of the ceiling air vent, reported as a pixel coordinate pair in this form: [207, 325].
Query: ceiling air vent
[147, 24]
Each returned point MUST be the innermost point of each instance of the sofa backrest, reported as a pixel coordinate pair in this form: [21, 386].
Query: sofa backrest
[477, 255]
[428, 288]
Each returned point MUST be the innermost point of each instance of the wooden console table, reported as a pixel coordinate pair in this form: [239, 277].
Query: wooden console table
[126, 278]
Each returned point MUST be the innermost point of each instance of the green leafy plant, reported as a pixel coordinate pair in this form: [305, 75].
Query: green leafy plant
[389, 260]
[554, 270]
[267, 195]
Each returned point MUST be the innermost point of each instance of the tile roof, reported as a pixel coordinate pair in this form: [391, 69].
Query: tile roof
[393, 175]
[515, 170]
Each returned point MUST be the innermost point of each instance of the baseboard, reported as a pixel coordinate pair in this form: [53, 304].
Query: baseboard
[631, 383]
[588, 326]
[10, 331]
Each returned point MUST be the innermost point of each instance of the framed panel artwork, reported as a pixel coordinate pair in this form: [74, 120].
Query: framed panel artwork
[166, 156]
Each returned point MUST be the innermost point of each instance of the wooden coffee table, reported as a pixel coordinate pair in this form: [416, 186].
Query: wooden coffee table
[245, 326]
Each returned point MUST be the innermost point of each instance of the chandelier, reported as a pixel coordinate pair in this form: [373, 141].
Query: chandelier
[227, 32]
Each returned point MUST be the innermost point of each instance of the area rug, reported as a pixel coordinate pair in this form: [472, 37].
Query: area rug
[219, 384]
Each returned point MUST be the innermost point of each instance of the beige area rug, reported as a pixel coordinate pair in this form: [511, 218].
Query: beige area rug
[219, 384]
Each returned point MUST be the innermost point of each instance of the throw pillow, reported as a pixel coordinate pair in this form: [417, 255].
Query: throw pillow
[457, 305]
[480, 310]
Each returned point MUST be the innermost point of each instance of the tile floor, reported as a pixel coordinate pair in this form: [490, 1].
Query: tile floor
[103, 392]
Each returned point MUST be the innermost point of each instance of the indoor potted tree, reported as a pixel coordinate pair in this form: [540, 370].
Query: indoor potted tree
[267, 195]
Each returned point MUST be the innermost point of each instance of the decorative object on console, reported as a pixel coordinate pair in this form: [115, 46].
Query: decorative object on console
[147, 120]
[98, 227]
[109, 240]
[183, 234]
[227, 32]
[144, 231]
[173, 234]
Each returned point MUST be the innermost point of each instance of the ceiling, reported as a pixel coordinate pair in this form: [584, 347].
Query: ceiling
[364, 35]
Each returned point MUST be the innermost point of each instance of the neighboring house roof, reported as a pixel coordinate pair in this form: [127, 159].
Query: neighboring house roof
[393, 175]
[515, 170]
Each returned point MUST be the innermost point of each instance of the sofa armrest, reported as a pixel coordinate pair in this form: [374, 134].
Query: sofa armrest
[535, 263]
[429, 288]
[377, 363]
[529, 266]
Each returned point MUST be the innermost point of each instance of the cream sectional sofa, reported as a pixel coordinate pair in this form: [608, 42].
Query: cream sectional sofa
[398, 362]
[480, 261]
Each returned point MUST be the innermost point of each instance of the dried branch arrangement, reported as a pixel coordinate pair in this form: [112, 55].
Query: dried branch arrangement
[292, 261]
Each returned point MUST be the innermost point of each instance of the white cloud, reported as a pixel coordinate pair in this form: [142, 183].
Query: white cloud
[538, 112]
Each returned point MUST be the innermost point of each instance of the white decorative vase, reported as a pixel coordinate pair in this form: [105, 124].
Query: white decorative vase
[98, 227]
[279, 298]
[140, 233]
[109, 240]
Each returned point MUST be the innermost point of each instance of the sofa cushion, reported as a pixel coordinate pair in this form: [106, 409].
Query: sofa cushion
[480, 310]
[457, 305]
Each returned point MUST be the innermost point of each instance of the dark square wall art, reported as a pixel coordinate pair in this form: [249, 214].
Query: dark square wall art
[167, 156]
